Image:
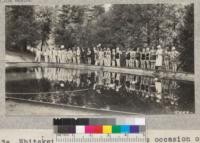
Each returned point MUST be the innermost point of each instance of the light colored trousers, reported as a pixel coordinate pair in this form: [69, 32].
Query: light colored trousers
[78, 60]
[118, 62]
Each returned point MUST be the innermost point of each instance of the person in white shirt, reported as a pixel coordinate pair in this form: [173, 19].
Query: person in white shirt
[96, 53]
[59, 56]
[153, 58]
[159, 57]
[104, 57]
[78, 55]
[46, 56]
[118, 56]
[53, 55]
[143, 54]
[113, 58]
[38, 54]
[49, 55]
[128, 58]
[70, 55]
[97, 62]
[101, 56]
[166, 58]
[174, 58]
[138, 58]
[74, 55]
[62, 54]
[95, 56]
[66, 56]
[108, 56]
[147, 58]
[89, 54]
[132, 58]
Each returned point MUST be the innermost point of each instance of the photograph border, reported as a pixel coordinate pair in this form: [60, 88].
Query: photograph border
[153, 121]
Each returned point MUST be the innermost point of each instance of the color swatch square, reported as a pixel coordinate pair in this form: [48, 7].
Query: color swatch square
[139, 121]
[116, 129]
[89, 129]
[80, 129]
[107, 129]
[142, 129]
[125, 129]
[134, 129]
[98, 129]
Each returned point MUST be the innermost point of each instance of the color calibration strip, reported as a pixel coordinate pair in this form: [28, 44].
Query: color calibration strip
[99, 125]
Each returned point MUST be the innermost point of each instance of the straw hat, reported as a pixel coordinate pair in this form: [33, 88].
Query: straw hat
[173, 48]
[62, 46]
[156, 79]
[99, 45]
[158, 46]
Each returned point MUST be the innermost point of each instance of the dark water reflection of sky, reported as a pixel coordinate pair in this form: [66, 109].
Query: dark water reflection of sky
[101, 90]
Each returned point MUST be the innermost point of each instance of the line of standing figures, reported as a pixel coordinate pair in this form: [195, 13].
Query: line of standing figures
[143, 58]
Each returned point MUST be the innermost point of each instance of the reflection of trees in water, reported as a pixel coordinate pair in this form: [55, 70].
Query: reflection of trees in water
[186, 97]
[28, 86]
[107, 90]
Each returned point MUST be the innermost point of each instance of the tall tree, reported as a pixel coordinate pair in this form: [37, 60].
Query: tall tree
[70, 19]
[21, 27]
[139, 25]
[44, 19]
[187, 40]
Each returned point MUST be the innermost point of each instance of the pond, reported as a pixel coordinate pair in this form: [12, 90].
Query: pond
[102, 90]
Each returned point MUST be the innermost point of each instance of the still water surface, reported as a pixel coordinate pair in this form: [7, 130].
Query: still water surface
[101, 90]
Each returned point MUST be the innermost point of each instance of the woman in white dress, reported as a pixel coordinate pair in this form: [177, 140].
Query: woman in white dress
[101, 56]
[159, 57]
[108, 57]
[78, 55]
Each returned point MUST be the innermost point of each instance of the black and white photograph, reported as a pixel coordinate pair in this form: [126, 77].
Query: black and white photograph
[108, 59]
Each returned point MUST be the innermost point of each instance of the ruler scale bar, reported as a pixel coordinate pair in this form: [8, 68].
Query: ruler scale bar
[133, 139]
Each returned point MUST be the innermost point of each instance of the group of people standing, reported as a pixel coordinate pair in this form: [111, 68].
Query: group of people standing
[160, 58]
[144, 58]
[58, 55]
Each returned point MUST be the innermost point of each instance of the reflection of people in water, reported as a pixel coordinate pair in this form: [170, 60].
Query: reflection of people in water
[128, 82]
[172, 92]
[72, 77]
[133, 82]
[112, 81]
[117, 82]
[158, 86]
[38, 73]
[148, 88]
